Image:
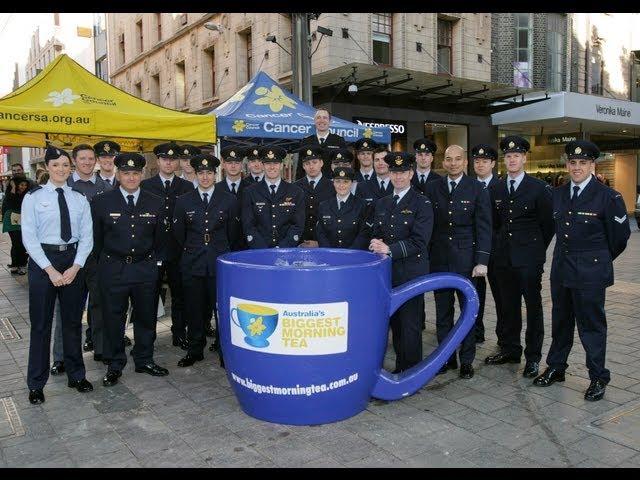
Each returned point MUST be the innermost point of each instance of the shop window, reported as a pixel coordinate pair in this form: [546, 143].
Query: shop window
[445, 46]
[555, 58]
[381, 34]
[595, 68]
[522, 66]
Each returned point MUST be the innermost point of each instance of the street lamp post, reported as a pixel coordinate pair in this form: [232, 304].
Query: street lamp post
[300, 58]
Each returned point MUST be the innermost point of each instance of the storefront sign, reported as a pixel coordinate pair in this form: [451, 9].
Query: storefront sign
[622, 144]
[557, 139]
[397, 127]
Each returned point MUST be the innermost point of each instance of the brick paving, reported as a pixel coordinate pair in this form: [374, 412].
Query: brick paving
[192, 419]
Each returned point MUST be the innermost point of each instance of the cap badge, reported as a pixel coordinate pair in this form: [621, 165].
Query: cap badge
[186, 151]
[511, 144]
[58, 152]
[578, 150]
[255, 152]
[309, 152]
[342, 174]
[170, 152]
[423, 146]
[232, 154]
[131, 163]
[339, 156]
[398, 160]
[365, 144]
[106, 147]
[205, 162]
[270, 154]
[481, 151]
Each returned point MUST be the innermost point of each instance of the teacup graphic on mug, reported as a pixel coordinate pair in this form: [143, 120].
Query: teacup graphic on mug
[256, 321]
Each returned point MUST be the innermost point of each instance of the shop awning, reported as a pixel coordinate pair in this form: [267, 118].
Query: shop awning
[402, 88]
[66, 105]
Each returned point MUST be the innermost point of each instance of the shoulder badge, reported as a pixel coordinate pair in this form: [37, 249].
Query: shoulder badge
[35, 188]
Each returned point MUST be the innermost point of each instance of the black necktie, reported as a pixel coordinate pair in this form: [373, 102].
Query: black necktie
[382, 185]
[484, 184]
[130, 203]
[511, 188]
[205, 199]
[422, 179]
[233, 188]
[257, 179]
[273, 190]
[576, 190]
[313, 184]
[366, 176]
[396, 198]
[108, 180]
[65, 221]
[453, 186]
[167, 185]
[322, 141]
[341, 204]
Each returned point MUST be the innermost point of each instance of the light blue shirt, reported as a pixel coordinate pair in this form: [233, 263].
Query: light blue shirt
[486, 181]
[41, 223]
[135, 194]
[229, 182]
[581, 185]
[269, 183]
[316, 179]
[401, 194]
[209, 192]
[518, 179]
[385, 180]
[456, 181]
[342, 199]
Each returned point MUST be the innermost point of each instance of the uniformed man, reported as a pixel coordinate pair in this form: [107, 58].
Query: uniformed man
[371, 192]
[484, 161]
[129, 226]
[364, 148]
[106, 151]
[323, 138]
[206, 224]
[187, 152]
[254, 165]
[342, 221]
[525, 229]
[316, 188]
[56, 232]
[425, 149]
[273, 210]
[402, 228]
[592, 229]
[169, 187]
[461, 243]
[232, 183]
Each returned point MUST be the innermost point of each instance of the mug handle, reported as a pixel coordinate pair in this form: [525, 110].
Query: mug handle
[235, 320]
[393, 387]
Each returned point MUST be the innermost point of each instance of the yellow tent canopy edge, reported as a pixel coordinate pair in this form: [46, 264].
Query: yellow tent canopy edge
[67, 105]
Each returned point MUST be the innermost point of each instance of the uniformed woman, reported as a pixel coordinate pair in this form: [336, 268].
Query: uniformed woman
[342, 218]
[58, 235]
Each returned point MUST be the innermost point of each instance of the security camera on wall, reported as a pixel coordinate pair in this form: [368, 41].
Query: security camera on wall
[353, 89]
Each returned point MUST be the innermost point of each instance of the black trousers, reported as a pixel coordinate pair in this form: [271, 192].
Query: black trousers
[117, 288]
[585, 308]
[95, 329]
[172, 269]
[515, 283]
[444, 323]
[42, 299]
[200, 299]
[406, 333]
[481, 288]
[18, 252]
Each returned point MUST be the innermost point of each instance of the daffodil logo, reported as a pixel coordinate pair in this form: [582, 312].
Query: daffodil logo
[58, 99]
[275, 98]
[368, 133]
[238, 126]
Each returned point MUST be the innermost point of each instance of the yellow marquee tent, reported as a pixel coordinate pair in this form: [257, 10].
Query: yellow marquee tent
[67, 105]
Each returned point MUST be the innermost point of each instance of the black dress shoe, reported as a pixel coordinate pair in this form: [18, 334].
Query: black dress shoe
[531, 370]
[127, 341]
[36, 396]
[548, 377]
[209, 331]
[595, 391]
[111, 378]
[501, 358]
[97, 357]
[82, 385]
[57, 368]
[466, 370]
[88, 346]
[189, 360]
[153, 369]
[180, 342]
[450, 365]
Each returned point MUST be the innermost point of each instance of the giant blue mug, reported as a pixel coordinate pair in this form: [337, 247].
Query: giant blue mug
[304, 331]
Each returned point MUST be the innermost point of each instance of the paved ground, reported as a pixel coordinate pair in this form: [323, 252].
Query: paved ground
[191, 418]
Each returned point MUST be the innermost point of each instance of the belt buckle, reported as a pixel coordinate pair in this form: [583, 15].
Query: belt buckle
[207, 238]
[62, 248]
[128, 259]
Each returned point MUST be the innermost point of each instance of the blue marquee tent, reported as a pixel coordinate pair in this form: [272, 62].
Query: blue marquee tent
[263, 110]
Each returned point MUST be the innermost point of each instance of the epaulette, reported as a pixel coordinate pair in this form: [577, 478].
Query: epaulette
[34, 188]
[73, 189]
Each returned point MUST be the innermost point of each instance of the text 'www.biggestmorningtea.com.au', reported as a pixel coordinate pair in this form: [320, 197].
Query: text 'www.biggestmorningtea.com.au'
[307, 390]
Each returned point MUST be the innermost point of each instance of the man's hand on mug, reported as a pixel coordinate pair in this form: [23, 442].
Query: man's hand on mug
[308, 244]
[378, 246]
[479, 271]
